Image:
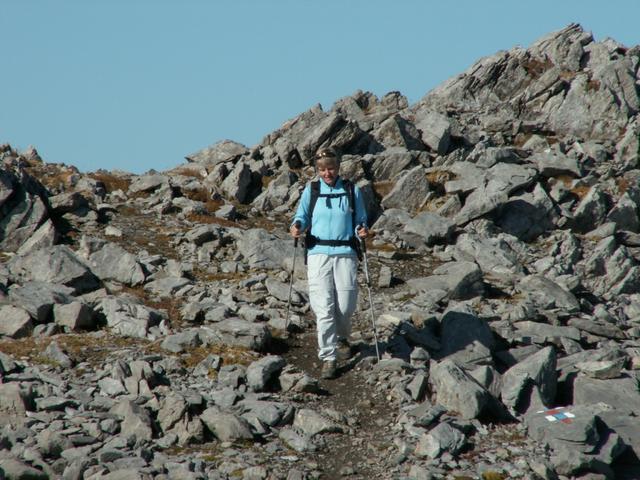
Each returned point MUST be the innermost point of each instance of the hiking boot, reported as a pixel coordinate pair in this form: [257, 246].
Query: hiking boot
[344, 350]
[329, 369]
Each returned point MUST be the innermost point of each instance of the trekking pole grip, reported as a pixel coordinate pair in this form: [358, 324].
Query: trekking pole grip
[295, 240]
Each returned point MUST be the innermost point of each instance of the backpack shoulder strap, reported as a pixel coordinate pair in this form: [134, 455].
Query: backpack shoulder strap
[350, 188]
[315, 193]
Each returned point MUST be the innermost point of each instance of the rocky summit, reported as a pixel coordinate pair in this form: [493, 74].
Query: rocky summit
[157, 326]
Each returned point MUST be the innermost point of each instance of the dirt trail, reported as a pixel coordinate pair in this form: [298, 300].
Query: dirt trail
[362, 451]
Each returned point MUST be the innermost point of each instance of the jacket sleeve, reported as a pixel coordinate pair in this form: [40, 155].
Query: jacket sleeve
[302, 213]
[361, 212]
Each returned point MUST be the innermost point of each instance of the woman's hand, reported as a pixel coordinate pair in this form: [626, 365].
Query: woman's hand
[362, 231]
[295, 230]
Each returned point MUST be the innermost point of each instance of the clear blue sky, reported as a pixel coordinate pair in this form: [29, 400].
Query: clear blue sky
[139, 84]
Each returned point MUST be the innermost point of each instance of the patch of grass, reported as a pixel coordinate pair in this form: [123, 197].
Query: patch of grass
[54, 180]
[111, 182]
[492, 475]
[171, 305]
[189, 172]
[204, 276]
[209, 452]
[96, 349]
[438, 178]
[210, 219]
[623, 185]
[93, 349]
[231, 355]
[383, 188]
[580, 191]
[204, 196]
[567, 75]
[536, 67]
[266, 180]
[593, 85]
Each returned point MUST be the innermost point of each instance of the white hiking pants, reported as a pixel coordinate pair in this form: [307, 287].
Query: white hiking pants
[333, 295]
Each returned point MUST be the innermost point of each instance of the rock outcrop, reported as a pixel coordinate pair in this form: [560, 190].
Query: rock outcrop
[142, 316]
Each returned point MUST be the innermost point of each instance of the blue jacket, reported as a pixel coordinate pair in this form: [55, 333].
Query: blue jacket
[331, 217]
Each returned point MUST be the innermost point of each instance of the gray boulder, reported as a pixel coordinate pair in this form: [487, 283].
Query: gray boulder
[312, 423]
[457, 391]
[21, 217]
[620, 393]
[15, 398]
[127, 316]
[591, 211]
[262, 249]
[227, 427]
[137, 424]
[465, 338]
[220, 152]
[74, 316]
[113, 262]
[461, 280]
[397, 132]
[431, 227]
[39, 298]
[236, 185]
[554, 163]
[148, 183]
[551, 294]
[625, 214]
[167, 287]
[58, 264]
[238, 333]
[44, 237]
[527, 216]
[496, 257]
[531, 383]
[261, 372]
[389, 164]
[15, 468]
[15, 322]
[435, 129]
[409, 191]
[442, 438]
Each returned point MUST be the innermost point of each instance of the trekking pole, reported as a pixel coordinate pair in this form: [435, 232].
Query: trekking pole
[368, 282]
[293, 269]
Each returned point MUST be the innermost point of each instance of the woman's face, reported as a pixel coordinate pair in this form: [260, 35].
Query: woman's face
[328, 170]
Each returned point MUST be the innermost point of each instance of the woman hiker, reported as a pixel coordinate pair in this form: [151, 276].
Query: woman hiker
[332, 213]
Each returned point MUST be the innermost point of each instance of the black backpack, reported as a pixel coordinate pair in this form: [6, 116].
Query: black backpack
[310, 240]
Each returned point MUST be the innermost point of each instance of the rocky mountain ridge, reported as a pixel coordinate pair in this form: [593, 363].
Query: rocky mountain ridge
[142, 316]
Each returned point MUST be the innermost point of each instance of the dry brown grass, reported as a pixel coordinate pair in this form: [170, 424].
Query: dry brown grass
[204, 276]
[266, 180]
[579, 191]
[210, 219]
[80, 347]
[53, 181]
[536, 67]
[189, 172]
[433, 205]
[567, 75]
[97, 349]
[593, 85]
[383, 188]
[111, 182]
[231, 355]
[623, 185]
[171, 305]
[440, 177]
